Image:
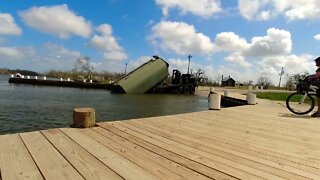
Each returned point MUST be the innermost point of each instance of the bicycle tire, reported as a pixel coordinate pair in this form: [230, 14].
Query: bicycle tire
[290, 100]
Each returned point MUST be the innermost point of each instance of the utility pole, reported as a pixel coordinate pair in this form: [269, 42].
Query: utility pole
[281, 73]
[189, 57]
[125, 69]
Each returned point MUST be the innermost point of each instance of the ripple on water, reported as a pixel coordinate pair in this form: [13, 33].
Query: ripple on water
[29, 108]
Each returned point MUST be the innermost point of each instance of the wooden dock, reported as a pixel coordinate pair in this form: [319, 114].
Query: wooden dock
[264, 141]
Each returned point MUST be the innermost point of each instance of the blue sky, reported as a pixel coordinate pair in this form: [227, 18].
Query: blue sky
[244, 39]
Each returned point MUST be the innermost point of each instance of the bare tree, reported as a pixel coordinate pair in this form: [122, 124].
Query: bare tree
[264, 81]
[83, 66]
[200, 76]
[292, 81]
[290, 84]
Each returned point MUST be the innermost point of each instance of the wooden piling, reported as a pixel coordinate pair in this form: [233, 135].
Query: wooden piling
[83, 118]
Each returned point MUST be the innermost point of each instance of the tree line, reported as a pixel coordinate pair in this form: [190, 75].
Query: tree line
[84, 70]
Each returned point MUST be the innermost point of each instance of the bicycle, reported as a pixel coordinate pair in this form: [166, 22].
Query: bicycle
[301, 102]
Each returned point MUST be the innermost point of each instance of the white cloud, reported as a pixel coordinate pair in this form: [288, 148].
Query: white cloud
[261, 56]
[292, 64]
[297, 9]
[115, 55]
[229, 41]
[291, 9]
[138, 62]
[8, 25]
[249, 9]
[317, 37]
[105, 42]
[53, 56]
[108, 44]
[11, 53]
[203, 8]
[180, 38]
[181, 65]
[56, 51]
[48, 56]
[238, 59]
[269, 67]
[120, 67]
[276, 42]
[56, 20]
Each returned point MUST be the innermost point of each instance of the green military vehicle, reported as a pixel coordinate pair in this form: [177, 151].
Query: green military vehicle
[149, 78]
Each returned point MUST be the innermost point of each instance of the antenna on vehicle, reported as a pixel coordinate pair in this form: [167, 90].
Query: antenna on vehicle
[189, 57]
[125, 69]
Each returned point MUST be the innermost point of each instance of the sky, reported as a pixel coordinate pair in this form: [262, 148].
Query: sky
[243, 39]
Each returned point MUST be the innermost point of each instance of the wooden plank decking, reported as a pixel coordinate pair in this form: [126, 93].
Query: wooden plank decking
[248, 142]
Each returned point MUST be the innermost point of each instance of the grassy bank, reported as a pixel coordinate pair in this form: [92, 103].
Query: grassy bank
[275, 96]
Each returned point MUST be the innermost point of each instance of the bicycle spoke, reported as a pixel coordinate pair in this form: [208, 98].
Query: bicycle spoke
[300, 103]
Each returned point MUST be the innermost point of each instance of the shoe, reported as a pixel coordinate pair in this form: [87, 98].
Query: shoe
[316, 114]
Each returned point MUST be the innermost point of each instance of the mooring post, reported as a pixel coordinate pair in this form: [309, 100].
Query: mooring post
[61, 79]
[44, 78]
[83, 118]
[12, 75]
[36, 77]
[214, 101]
[211, 89]
[226, 93]
[251, 98]
[211, 92]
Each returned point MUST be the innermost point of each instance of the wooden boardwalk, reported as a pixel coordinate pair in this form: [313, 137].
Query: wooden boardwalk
[248, 142]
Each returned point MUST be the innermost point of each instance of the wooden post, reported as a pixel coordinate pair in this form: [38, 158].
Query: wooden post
[83, 118]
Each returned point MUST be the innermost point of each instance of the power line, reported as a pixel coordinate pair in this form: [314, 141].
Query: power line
[281, 73]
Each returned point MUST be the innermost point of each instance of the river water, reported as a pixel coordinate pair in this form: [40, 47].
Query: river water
[29, 107]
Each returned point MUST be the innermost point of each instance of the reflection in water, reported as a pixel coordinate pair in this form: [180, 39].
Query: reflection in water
[28, 107]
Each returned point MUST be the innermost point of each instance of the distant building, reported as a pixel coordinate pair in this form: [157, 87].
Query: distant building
[228, 82]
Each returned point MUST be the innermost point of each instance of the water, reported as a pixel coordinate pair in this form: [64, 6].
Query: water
[29, 107]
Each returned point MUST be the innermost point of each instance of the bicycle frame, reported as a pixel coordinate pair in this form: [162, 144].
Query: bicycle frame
[303, 98]
[304, 94]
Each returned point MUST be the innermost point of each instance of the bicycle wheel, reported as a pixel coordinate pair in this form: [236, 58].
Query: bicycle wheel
[300, 104]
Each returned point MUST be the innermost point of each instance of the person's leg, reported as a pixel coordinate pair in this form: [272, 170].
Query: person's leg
[317, 113]
[318, 104]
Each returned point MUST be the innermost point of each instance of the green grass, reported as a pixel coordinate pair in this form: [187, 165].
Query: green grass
[275, 96]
